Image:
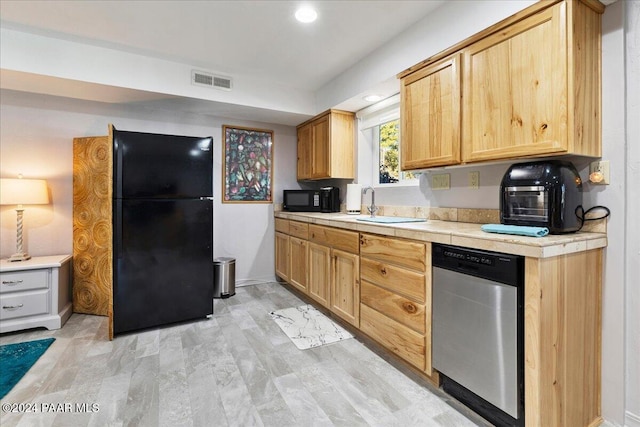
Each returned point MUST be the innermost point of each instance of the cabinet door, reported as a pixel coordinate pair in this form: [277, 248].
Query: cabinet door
[319, 273]
[430, 114]
[345, 286]
[304, 152]
[320, 167]
[515, 90]
[298, 253]
[282, 256]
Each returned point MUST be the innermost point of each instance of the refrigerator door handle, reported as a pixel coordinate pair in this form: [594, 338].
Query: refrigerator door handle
[118, 229]
[206, 198]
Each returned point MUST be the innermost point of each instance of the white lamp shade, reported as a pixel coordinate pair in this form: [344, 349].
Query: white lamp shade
[23, 192]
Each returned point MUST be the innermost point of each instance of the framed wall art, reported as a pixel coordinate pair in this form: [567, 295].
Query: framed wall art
[247, 165]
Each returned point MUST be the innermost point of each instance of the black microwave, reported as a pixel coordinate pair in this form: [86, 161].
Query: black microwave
[301, 201]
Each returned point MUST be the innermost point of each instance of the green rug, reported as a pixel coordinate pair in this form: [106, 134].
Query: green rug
[17, 359]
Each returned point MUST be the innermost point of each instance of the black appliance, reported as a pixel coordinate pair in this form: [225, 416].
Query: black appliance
[542, 194]
[329, 199]
[162, 229]
[301, 201]
[478, 330]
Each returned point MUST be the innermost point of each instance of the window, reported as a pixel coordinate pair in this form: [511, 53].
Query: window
[388, 134]
[380, 123]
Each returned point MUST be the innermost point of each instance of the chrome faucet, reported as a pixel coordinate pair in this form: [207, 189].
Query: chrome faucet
[373, 208]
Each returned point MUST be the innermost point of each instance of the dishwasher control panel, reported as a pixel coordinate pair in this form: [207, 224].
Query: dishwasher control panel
[503, 268]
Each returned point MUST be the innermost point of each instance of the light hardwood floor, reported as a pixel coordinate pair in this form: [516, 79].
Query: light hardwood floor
[235, 369]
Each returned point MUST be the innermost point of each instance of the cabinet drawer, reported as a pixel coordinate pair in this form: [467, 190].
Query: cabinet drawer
[397, 307]
[299, 229]
[23, 280]
[397, 251]
[401, 340]
[26, 304]
[340, 239]
[396, 279]
[282, 225]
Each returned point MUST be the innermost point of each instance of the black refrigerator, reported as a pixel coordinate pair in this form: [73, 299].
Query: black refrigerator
[162, 229]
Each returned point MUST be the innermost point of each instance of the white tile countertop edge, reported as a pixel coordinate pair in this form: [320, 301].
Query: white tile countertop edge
[460, 234]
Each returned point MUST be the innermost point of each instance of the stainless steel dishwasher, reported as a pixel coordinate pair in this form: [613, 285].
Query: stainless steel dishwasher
[478, 330]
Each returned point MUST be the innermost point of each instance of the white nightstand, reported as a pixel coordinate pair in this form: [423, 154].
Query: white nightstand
[34, 293]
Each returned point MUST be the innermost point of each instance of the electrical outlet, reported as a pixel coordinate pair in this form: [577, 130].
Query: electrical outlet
[599, 172]
[474, 180]
[440, 181]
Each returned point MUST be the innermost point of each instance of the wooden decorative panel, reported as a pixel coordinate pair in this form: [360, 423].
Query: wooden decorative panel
[92, 227]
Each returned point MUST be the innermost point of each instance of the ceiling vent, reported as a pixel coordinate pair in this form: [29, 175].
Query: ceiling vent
[200, 78]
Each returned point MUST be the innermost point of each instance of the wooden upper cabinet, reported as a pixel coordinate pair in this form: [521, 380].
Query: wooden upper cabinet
[326, 146]
[515, 84]
[321, 149]
[304, 152]
[530, 87]
[430, 125]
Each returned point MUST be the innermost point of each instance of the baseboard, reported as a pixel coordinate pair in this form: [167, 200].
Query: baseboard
[631, 419]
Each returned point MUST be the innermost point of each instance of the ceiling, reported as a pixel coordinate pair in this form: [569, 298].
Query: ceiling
[259, 39]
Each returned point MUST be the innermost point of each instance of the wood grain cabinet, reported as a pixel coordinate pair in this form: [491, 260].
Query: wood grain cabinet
[282, 248]
[319, 273]
[534, 87]
[323, 263]
[345, 286]
[430, 126]
[382, 286]
[395, 298]
[282, 255]
[326, 146]
[334, 268]
[298, 255]
[530, 86]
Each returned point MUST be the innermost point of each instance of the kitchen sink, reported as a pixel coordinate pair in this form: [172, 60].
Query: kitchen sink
[390, 219]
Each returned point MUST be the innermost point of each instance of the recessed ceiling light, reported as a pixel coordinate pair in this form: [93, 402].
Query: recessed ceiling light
[372, 98]
[305, 14]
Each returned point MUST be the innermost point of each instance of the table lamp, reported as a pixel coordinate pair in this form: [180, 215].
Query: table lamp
[22, 192]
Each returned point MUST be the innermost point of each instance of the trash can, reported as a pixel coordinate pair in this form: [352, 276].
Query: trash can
[224, 277]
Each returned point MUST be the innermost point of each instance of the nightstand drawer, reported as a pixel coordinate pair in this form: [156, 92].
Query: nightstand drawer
[26, 304]
[23, 280]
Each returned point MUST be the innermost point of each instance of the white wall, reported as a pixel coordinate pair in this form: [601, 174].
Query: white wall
[619, 350]
[632, 25]
[449, 24]
[37, 132]
[36, 54]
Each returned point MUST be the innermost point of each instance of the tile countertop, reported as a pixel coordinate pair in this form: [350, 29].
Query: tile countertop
[459, 234]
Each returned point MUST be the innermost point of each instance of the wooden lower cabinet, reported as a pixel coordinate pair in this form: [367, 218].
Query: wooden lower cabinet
[395, 296]
[563, 339]
[282, 255]
[403, 341]
[345, 286]
[382, 286]
[298, 261]
[319, 273]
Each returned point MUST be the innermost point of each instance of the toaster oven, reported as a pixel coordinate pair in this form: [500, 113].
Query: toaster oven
[542, 194]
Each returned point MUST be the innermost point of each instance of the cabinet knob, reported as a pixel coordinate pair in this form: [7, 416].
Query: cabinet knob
[383, 271]
[12, 307]
[11, 282]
